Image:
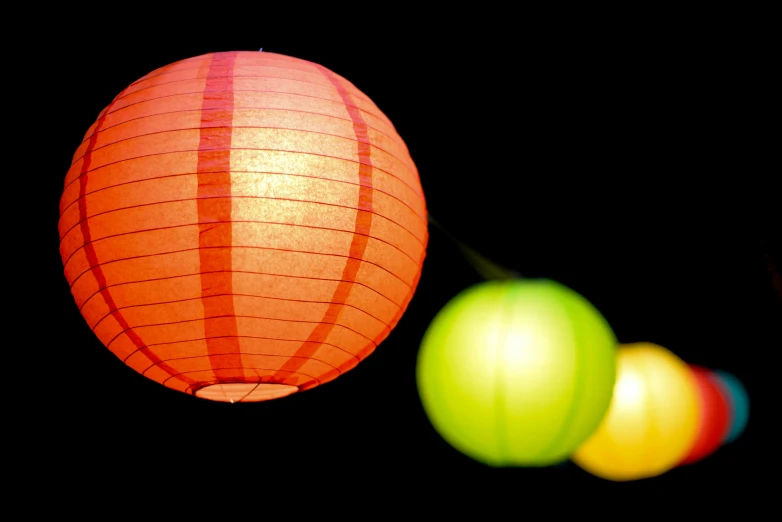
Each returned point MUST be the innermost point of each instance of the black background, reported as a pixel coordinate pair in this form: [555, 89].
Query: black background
[618, 161]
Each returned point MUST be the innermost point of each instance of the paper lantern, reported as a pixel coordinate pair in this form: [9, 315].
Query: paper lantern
[652, 421]
[713, 419]
[738, 404]
[242, 225]
[516, 372]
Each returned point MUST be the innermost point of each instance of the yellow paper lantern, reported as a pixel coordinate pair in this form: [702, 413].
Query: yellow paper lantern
[652, 421]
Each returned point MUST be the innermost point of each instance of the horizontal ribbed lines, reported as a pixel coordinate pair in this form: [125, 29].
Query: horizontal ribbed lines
[402, 162]
[354, 92]
[389, 132]
[171, 69]
[374, 290]
[235, 248]
[171, 227]
[202, 383]
[394, 139]
[243, 58]
[243, 353]
[417, 238]
[235, 245]
[236, 294]
[352, 355]
[252, 70]
[260, 93]
[423, 218]
[320, 85]
[196, 113]
[182, 130]
[137, 326]
[335, 102]
[307, 313]
[186, 94]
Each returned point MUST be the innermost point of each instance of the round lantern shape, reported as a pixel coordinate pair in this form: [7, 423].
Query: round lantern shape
[738, 404]
[652, 421]
[240, 226]
[713, 419]
[517, 372]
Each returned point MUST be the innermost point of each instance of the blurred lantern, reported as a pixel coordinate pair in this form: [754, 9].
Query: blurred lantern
[242, 225]
[713, 419]
[738, 404]
[652, 421]
[517, 372]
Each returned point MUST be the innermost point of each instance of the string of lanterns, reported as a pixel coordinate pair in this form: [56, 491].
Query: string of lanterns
[510, 369]
[664, 414]
[527, 373]
[242, 226]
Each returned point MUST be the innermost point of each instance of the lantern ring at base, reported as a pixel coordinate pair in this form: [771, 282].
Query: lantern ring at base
[244, 391]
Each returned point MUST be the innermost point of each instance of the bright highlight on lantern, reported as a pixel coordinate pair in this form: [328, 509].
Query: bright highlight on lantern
[653, 419]
[241, 226]
[517, 372]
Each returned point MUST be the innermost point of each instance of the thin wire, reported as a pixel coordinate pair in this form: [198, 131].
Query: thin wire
[225, 395]
[254, 387]
[487, 269]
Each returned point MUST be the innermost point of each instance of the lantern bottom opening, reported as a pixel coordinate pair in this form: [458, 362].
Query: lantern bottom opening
[245, 392]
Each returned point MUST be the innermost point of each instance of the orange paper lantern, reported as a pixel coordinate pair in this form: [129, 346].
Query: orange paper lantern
[243, 225]
[714, 421]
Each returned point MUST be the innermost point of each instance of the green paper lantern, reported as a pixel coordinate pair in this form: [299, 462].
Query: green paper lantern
[517, 372]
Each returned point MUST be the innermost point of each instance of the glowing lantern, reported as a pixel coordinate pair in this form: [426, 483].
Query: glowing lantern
[652, 421]
[517, 372]
[713, 407]
[243, 225]
[738, 404]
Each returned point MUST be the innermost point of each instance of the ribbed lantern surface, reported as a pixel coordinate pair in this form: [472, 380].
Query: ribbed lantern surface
[242, 225]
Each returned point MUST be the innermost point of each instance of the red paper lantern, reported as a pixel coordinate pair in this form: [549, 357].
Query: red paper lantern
[242, 225]
[714, 416]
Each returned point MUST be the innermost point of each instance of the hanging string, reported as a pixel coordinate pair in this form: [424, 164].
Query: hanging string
[487, 269]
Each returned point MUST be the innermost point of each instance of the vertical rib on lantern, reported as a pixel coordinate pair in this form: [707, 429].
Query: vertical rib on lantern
[242, 225]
